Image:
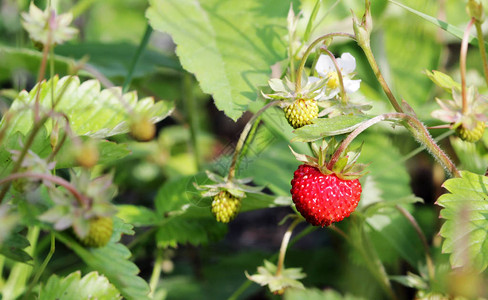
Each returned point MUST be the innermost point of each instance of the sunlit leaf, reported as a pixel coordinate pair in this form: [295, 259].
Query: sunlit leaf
[73, 287]
[230, 52]
[466, 227]
[91, 111]
[324, 127]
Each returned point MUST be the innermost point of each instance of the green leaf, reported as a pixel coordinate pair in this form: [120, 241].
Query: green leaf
[12, 247]
[455, 31]
[185, 216]
[113, 262]
[91, 286]
[411, 49]
[229, 46]
[91, 111]
[112, 59]
[14, 59]
[465, 208]
[328, 127]
[391, 233]
[137, 215]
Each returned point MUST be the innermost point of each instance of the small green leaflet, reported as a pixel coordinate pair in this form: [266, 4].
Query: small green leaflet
[328, 127]
[466, 227]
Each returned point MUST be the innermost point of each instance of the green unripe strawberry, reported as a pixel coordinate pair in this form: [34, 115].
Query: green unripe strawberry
[225, 207]
[142, 129]
[301, 112]
[100, 232]
[471, 135]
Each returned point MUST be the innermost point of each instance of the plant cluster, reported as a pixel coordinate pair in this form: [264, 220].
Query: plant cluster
[73, 143]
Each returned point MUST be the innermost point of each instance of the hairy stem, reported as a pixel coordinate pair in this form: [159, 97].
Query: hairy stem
[418, 130]
[298, 81]
[243, 137]
[462, 65]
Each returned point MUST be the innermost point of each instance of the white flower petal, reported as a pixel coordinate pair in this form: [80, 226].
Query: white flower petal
[347, 63]
[350, 86]
[324, 65]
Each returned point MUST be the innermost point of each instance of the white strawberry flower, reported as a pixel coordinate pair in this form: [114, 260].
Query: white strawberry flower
[326, 69]
[40, 24]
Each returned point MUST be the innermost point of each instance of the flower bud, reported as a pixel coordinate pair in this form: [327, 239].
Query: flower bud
[363, 29]
[475, 10]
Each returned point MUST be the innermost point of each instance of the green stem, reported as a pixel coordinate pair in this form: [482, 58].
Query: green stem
[423, 239]
[372, 62]
[135, 59]
[481, 43]
[350, 137]
[298, 81]
[284, 245]
[462, 65]
[192, 115]
[243, 138]
[156, 273]
[422, 147]
[246, 284]
[42, 267]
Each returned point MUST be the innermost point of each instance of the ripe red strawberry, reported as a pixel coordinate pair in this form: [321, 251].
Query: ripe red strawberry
[323, 199]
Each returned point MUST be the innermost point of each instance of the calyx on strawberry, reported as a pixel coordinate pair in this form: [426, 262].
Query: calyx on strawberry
[324, 193]
[227, 195]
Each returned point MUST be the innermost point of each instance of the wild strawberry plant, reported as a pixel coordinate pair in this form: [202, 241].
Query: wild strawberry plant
[357, 124]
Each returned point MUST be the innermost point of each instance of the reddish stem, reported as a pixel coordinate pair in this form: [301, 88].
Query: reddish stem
[82, 200]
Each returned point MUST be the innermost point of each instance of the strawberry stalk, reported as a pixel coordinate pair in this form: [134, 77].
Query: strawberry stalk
[284, 245]
[298, 81]
[82, 200]
[418, 130]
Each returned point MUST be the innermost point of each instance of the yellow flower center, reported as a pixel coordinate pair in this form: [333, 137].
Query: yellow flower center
[333, 81]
